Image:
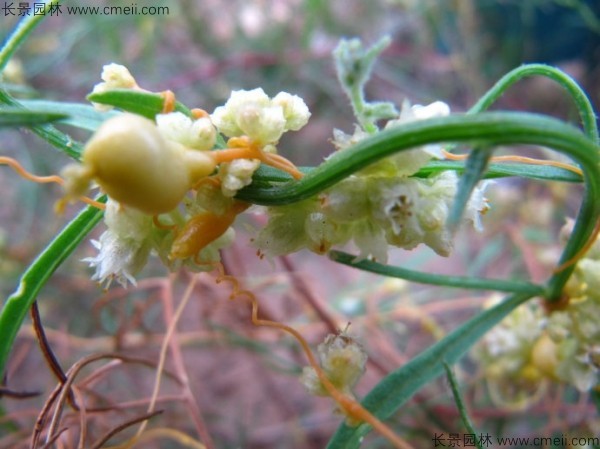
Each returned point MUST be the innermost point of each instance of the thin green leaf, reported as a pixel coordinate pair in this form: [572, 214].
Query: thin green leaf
[475, 168]
[146, 104]
[49, 133]
[465, 282]
[22, 31]
[83, 116]
[460, 404]
[35, 277]
[398, 387]
[20, 117]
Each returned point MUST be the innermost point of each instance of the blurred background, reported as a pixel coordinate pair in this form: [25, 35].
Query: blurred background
[244, 380]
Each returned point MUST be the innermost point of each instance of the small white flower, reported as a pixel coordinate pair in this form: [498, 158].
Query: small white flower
[226, 117]
[343, 361]
[295, 111]
[114, 76]
[118, 259]
[237, 175]
[117, 76]
[197, 134]
[262, 124]
[478, 205]
[123, 249]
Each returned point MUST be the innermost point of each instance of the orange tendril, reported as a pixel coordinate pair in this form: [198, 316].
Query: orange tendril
[353, 410]
[527, 160]
[4, 160]
[243, 148]
[581, 252]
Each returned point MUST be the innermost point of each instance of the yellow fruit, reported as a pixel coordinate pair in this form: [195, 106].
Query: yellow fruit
[136, 166]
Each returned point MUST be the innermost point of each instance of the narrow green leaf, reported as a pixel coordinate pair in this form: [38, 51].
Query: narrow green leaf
[460, 404]
[502, 169]
[465, 282]
[398, 387]
[80, 115]
[22, 31]
[49, 133]
[15, 308]
[19, 117]
[146, 104]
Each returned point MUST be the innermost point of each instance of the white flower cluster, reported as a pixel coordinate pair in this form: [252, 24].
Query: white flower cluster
[377, 207]
[199, 134]
[531, 345]
[263, 120]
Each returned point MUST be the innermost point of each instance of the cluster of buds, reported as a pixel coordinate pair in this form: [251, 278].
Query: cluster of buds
[343, 361]
[534, 345]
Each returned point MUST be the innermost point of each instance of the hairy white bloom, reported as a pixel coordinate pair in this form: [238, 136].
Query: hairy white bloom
[118, 259]
[123, 249]
[237, 175]
[197, 134]
[253, 114]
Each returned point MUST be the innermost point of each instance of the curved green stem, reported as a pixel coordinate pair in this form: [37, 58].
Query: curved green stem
[584, 106]
[489, 128]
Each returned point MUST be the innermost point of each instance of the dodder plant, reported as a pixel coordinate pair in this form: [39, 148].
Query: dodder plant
[173, 186]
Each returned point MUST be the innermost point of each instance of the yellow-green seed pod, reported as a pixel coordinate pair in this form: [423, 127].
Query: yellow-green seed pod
[137, 167]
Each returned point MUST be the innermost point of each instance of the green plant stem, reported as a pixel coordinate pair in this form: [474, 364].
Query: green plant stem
[488, 128]
[15, 308]
[500, 285]
[582, 102]
[460, 404]
[20, 33]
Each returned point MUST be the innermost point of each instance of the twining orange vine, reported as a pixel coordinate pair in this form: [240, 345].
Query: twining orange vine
[351, 408]
[4, 160]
